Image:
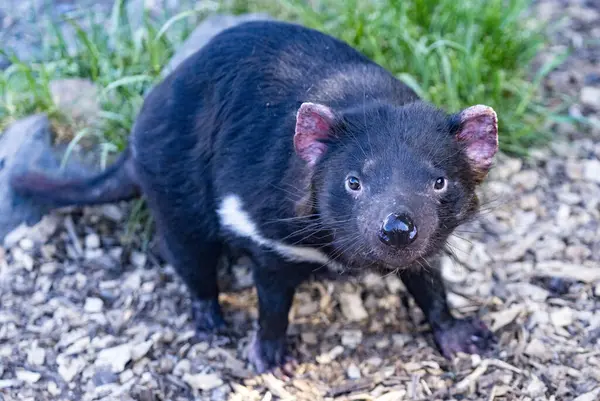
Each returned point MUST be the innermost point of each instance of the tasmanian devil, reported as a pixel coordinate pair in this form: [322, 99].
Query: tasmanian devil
[290, 145]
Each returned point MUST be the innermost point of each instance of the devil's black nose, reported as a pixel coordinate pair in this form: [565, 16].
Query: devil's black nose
[398, 230]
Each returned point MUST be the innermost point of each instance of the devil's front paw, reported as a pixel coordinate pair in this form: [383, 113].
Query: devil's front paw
[268, 355]
[208, 318]
[470, 336]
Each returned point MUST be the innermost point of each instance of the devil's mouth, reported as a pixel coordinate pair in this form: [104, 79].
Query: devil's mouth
[373, 253]
[401, 259]
[388, 261]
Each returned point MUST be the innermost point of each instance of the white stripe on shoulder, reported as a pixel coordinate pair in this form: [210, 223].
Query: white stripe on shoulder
[237, 220]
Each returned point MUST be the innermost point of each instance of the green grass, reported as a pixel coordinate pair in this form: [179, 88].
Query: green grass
[453, 53]
[123, 62]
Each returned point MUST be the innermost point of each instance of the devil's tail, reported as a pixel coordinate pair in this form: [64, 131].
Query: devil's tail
[114, 184]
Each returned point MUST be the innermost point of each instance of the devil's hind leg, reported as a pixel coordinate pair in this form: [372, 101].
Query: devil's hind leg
[185, 217]
[196, 259]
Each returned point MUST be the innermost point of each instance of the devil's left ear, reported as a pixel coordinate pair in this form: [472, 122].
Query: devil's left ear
[313, 126]
[478, 132]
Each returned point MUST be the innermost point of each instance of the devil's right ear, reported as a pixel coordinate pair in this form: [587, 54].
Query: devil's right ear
[478, 133]
[313, 126]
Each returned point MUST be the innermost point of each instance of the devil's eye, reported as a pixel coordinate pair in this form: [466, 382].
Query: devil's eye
[440, 184]
[352, 183]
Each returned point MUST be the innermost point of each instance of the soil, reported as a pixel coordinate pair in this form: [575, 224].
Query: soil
[88, 315]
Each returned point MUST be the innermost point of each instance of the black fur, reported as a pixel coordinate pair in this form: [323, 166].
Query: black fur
[223, 123]
[114, 184]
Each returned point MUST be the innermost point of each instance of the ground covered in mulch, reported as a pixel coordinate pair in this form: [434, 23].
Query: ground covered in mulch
[87, 316]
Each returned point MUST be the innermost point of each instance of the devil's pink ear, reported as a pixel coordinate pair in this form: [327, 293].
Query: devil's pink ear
[479, 133]
[313, 124]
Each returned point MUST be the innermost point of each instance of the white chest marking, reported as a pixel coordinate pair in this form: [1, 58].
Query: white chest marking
[235, 218]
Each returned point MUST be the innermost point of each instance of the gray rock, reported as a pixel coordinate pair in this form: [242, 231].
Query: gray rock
[507, 168]
[538, 349]
[138, 259]
[69, 368]
[590, 96]
[112, 212]
[562, 317]
[140, 350]
[204, 32]
[92, 241]
[577, 253]
[589, 396]
[116, 357]
[53, 389]
[591, 171]
[353, 372]
[36, 356]
[374, 281]
[203, 381]
[550, 248]
[536, 387]
[93, 305]
[28, 376]
[582, 13]
[77, 99]
[32, 133]
[182, 367]
[351, 338]
[574, 170]
[27, 146]
[352, 306]
[527, 179]
[104, 376]
[528, 291]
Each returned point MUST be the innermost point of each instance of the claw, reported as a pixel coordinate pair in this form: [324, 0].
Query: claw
[465, 335]
[208, 317]
[269, 356]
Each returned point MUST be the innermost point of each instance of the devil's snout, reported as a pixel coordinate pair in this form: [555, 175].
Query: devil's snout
[398, 230]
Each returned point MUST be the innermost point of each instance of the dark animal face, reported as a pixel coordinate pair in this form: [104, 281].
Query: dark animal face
[393, 183]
